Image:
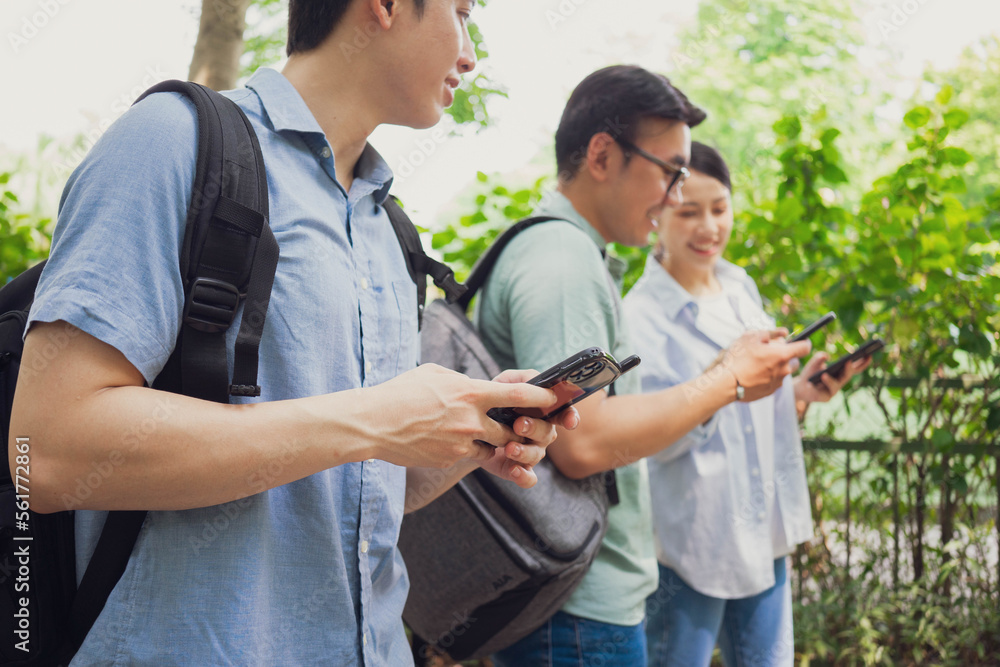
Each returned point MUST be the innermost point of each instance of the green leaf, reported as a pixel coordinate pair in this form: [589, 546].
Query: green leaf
[957, 156]
[903, 212]
[828, 136]
[789, 212]
[955, 118]
[481, 177]
[789, 127]
[522, 196]
[917, 117]
[959, 483]
[993, 418]
[443, 238]
[977, 234]
[993, 199]
[974, 341]
[944, 95]
[953, 184]
[834, 174]
[941, 438]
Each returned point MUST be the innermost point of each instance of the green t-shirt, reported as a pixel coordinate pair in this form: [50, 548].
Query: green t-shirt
[550, 295]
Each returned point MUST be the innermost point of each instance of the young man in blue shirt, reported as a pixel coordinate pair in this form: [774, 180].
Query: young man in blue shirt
[273, 523]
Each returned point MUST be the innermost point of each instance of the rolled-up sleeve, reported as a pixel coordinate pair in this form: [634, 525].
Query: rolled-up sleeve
[114, 269]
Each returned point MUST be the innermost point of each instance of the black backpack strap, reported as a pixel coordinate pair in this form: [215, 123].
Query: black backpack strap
[229, 253]
[107, 564]
[481, 271]
[418, 263]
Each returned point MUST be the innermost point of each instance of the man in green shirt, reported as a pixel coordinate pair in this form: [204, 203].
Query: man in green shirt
[621, 147]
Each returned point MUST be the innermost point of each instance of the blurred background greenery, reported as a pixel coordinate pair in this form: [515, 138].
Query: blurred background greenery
[894, 224]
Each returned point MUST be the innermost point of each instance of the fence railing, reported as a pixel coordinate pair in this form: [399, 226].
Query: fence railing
[873, 447]
[894, 451]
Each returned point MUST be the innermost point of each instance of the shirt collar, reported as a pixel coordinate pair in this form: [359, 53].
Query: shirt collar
[287, 111]
[673, 297]
[557, 205]
[282, 104]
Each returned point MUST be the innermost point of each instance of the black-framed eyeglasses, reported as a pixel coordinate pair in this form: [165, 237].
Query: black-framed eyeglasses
[677, 175]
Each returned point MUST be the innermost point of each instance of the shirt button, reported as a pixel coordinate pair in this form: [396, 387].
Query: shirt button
[364, 639]
[364, 283]
[364, 546]
[371, 460]
[368, 367]
[755, 472]
[761, 515]
[325, 152]
[749, 428]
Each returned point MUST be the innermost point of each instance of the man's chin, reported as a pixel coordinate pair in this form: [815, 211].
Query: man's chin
[422, 119]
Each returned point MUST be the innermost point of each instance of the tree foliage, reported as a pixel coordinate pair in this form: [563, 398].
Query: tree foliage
[26, 237]
[751, 63]
[976, 82]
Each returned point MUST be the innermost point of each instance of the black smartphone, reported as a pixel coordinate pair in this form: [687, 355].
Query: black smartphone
[836, 369]
[812, 328]
[573, 380]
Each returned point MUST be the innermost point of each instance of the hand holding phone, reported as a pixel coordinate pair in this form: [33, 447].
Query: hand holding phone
[573, 380]
[836, 369]
[812, 328]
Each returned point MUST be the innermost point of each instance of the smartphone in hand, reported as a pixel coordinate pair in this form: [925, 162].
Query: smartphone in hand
[836, 369]
[573, 380]
[812, 328]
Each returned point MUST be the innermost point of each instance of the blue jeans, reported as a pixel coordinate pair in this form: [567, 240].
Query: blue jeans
[682, 625]
[571, 641]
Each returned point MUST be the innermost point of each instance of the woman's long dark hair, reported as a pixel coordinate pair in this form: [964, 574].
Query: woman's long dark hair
[709, 161]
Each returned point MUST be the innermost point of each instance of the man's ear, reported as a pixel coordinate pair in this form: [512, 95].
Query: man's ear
[599, 158]
[382, 11]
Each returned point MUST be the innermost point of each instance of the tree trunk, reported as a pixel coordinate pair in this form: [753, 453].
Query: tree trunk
[216, 60]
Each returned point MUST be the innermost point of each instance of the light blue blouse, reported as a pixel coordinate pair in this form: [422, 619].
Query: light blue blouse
[717, 491]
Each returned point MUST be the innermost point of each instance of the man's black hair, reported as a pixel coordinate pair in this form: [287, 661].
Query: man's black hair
[615, 100]
[709, 161]
[311, 21]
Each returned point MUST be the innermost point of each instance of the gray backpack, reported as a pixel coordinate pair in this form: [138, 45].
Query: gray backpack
[488, 561]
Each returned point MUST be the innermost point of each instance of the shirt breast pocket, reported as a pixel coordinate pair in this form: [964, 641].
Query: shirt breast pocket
[408, 345]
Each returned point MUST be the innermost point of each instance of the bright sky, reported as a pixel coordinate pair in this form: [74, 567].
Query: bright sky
[71, 66]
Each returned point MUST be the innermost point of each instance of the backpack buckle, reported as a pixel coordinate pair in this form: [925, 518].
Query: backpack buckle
[211, 305]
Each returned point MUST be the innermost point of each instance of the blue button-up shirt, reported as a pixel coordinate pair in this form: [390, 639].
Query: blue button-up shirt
[303, 574]
[717, 491]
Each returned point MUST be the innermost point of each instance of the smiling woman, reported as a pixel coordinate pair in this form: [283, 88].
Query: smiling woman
[729, 500]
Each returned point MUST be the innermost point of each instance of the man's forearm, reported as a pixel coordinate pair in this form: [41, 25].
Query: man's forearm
[101, 440]
[623, 429]
[138, 448]
[426, 484]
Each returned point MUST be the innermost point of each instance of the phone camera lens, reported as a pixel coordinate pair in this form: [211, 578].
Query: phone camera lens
[586, 372]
